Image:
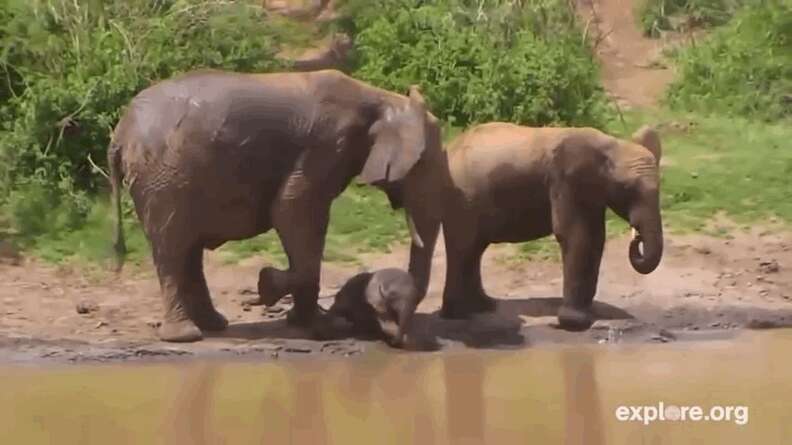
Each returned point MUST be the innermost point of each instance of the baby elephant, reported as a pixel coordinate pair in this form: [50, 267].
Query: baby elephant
[380, 303]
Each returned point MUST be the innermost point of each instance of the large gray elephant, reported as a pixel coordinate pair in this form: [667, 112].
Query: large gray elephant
[213, 156]
[504, 183]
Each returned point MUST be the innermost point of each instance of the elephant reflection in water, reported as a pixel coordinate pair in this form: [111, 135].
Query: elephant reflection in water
[193, 407]
[583, 414]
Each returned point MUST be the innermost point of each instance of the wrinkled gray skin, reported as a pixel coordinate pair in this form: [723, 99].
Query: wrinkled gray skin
[379, 303]
[214, 156]
[504, 183]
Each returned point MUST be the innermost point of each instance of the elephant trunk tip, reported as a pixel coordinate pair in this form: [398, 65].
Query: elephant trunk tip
[647, 261]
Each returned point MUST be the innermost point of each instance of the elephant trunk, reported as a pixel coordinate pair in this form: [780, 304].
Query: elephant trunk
[426, 230]
[646, 247]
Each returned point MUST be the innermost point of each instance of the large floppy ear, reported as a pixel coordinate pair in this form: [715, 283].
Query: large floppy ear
[399, 140]
[648, 137]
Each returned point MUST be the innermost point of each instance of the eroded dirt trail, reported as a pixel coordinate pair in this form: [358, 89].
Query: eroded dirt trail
[632, 71]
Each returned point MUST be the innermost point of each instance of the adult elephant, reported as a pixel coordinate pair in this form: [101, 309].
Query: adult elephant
[504, 183]
[213, 156]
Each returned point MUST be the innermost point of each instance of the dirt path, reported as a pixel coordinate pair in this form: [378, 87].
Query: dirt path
[632, 70]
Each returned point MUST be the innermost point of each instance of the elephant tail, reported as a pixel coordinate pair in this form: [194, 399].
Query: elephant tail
[114, 162]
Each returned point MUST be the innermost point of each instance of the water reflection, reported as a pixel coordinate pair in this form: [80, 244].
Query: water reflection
[583, 410]
[559, 395]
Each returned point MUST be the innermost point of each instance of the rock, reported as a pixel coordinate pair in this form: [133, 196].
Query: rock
[154, 324]
[768, 267]
[760, 324]
[86, 307]
[299, 349]
[100, 324]
[704, 250]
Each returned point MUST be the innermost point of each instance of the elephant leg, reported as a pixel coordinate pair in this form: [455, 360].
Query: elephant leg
[173, 265]
[581, 233]
[202, 311]
[464, 293]
[302, 231]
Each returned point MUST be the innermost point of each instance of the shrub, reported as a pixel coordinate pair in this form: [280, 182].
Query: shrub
[743, 68]
[524, 62]
[657, 15]
[68, 68]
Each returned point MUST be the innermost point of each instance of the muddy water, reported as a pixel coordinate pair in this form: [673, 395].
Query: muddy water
[540, 395]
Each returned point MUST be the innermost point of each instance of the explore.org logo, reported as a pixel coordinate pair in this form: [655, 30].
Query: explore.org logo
[675, 413]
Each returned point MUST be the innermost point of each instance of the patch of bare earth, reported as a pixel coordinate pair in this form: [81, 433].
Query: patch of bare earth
[705, 287]
[633, 70]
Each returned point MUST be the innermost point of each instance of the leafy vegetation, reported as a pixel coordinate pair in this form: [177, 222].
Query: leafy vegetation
[68, 68]
[519, 61]
[657, 16]
[743, 68]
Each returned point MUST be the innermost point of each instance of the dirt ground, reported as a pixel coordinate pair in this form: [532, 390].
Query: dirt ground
[704, 288]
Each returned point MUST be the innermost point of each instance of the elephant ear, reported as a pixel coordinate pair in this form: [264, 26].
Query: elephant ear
[399, 141]
[648, 137]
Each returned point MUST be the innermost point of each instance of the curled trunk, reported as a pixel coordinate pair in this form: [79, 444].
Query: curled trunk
[646, 247]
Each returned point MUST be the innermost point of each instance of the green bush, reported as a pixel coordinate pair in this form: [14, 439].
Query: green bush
[657, 15]
[524, 62]
[68, 68]
[743, 68]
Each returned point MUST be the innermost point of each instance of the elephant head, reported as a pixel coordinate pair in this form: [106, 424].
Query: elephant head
[381, 303]
[406, 162]
[636, 197]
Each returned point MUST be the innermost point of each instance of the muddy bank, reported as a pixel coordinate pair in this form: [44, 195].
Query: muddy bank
[705, 288]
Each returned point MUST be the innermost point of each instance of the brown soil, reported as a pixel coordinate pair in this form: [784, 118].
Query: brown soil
[633, 70]
[705, 287]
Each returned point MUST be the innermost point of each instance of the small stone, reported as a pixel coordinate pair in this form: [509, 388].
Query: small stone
[768, 267]
[246, 308]
[703, 250]
[154, 324]
[100, 324]
[760, 324]
[749, 284]
[299, 349]
[716, 324]
[86, 307]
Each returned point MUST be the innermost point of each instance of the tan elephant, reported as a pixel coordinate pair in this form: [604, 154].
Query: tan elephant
[213, 156]
[504, 183]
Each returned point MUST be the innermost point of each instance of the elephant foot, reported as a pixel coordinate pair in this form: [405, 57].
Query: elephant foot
[573, 319]
[211, 321]
[272, 286]
[303, 317]
[465, 308]
[181, 331]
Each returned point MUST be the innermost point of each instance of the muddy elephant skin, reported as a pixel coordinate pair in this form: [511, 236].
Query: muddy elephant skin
[504, 183]
[213, 156]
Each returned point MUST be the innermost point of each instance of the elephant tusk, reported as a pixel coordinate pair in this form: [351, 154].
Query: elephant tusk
[416, 238]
